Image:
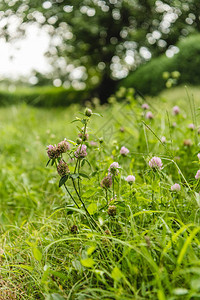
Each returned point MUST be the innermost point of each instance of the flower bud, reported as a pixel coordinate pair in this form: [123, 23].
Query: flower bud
[78, 141]
[88, 112]
[101, 140]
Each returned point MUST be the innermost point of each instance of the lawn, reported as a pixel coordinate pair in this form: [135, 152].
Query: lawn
[123, 241]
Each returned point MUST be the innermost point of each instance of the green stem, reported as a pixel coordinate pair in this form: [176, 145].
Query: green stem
[113, 187]
[71, 195]
[85, 208]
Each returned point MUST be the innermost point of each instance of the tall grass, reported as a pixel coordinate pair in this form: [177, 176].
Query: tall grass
[148, 250]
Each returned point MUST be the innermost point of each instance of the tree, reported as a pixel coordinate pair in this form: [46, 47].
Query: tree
[103, 39]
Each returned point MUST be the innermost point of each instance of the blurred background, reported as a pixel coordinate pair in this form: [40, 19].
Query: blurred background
[59, 52]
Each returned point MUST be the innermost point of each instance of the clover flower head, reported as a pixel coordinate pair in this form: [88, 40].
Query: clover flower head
[62, 168]
[176, 187]
[93, 144]
[53, 152]
[155, 163]
[198, 155]
[176, 110]
[145, 106]
[106, 182]
[113, 169]
[124, 151]
[81, 151]
[83, 136]
[149, 115]
[187, 143]
[63, 146]
[197, 176]
[191, 126]
[112, 210]
[163, 139]
[130, 179]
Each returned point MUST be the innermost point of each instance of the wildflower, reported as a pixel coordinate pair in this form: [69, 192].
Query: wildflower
[81, 151]
[62, 168]
[197, 176]
[198, 155]
[176, 187]
[113, 169]
[122, 129]
[106, 182]
[149, 115]
[74, 229]
[88, 112]
[176, 110]
[145, 106]
[124, 151]
[187, 143]
[163, 139]
[94, 144]
[112, 210]
[53, 152]
[191, 126]
[107, 232]
[155, 162]
[82, 135]
[63, 146]
[174, 124]
[130, 179]
[101, 140]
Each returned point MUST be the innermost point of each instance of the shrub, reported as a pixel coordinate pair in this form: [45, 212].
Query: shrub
[148, 79]
[43, 96]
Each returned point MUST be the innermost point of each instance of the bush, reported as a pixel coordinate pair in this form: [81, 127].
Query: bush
[43, 96]
[148, 79]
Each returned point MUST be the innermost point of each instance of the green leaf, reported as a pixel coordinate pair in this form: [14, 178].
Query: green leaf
[25, 267]
[99, 115]
[52, 162]
[72, 142]
[84, 175]
[74, 175]
[37, 254]
[92, 208]
[48, 162]
[83, 162]
[89, 193]
[91, 250]
[54, 296]
[87, 262]
[63, 180]
[76, 120]
[180, 291]
[116, 274]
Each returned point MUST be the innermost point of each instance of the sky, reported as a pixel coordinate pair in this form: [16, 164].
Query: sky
[25, 54]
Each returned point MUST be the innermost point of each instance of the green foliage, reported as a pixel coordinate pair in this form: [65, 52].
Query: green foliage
[148, 79]
[99, 36]
[148, 250]
[43, 96]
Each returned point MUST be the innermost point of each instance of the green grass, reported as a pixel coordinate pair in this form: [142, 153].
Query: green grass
[149, 250]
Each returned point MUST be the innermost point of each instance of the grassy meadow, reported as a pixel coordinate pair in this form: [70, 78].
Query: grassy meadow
[127, 241]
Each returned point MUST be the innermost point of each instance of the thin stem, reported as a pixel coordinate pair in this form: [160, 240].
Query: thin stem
[71, 195]
[87, 212]
[107, 196]
[113, 187]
